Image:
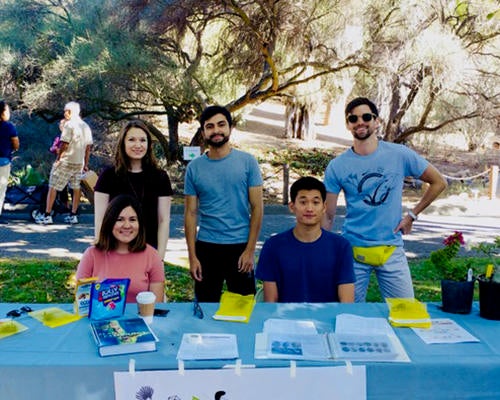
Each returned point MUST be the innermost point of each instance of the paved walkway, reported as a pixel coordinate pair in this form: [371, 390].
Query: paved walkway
[479, 220]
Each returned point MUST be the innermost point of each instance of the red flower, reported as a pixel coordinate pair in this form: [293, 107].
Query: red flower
[455, 239]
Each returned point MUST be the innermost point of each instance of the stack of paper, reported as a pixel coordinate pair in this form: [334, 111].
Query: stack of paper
[235, 307]
[366, 339]
[208, 346]
[408, 312]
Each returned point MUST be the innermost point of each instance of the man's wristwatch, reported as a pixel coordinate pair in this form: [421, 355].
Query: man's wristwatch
[412, 215]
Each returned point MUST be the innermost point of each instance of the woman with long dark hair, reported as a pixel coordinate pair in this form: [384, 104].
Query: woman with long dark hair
[136, 173]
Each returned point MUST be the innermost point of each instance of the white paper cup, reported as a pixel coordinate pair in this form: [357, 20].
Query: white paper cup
[146, 305]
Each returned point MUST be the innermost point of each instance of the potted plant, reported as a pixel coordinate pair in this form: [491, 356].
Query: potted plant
[457, 285]
[489, 282]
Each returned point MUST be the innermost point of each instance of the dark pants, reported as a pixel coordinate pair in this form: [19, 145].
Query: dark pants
[219, 263]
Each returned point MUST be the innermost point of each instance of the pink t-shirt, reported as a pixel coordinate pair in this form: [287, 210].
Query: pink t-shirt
[142, 268]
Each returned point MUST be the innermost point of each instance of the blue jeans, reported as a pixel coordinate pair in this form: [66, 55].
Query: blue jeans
[394, 278]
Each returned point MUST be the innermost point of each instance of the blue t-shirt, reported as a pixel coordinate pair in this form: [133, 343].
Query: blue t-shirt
[306, 272]
[222, 187]
[7, 132]
[373, 189]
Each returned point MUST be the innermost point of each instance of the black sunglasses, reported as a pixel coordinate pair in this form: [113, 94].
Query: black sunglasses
[197, 311]
[18, 313]
[367, 117]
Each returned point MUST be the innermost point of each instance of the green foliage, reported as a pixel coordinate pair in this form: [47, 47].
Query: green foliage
[33, 281]
[488, 249]
[21, 282]
[302, 161]
[445, 258]
[27, 176]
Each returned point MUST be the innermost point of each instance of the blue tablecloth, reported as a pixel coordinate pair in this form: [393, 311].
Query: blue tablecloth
[63, 363]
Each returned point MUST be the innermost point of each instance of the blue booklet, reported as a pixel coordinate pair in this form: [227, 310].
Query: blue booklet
[123, 336]
[108, 298]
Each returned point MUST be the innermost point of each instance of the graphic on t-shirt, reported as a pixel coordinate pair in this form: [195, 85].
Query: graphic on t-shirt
[375, 187]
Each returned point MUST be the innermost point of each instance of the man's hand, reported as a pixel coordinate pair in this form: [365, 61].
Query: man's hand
[405, 225]
[246, 261]
[195, 269]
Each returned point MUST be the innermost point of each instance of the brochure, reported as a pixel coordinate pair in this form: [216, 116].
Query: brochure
[444, 330]
[208, 346]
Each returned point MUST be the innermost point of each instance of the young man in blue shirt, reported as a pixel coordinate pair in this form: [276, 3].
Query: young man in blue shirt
[223, 197]
[307, 263]
[371, 175]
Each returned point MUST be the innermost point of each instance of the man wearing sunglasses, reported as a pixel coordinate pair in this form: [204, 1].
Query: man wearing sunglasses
[371, 174]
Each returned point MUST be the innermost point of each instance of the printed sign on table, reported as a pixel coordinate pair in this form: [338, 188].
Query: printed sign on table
[319, 383]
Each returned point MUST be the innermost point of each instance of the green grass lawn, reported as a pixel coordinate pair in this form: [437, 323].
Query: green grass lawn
[34, 281]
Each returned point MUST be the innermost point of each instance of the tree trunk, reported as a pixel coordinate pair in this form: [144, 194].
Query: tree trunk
[297, 122]
[173, 137]
[161, 138]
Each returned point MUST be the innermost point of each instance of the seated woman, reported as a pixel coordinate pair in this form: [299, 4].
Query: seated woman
[121, 251]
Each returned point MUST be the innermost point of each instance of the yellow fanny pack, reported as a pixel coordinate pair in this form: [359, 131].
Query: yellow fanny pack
[375, 256]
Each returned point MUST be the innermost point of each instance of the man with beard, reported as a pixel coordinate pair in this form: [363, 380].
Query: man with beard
[371, 174]
[223, 197]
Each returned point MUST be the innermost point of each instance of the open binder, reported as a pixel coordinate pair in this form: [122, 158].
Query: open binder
[346, 343]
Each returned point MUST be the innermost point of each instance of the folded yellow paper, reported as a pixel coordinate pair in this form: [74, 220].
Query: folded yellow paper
[235, 307]
[54, 317]
[10, 327]
[408, 312]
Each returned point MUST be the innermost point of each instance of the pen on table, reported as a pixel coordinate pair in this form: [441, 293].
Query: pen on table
[469, 275]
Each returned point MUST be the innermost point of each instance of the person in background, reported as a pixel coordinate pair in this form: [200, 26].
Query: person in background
[136, 173]
[72, 159]
[307, 263]
[223, 187]
[371, 174]
[121, 251]
[9, 142]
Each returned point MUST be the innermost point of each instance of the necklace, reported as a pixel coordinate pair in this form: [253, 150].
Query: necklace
[136, 184]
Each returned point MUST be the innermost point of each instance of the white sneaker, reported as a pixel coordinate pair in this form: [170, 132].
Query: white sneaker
[71, 219]
[41, 218]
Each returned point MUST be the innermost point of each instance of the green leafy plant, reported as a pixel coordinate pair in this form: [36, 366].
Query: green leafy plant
[492, 252]
[445, 259]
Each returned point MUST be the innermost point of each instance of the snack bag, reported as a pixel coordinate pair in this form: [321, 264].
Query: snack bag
[108, 298]
[82, 296]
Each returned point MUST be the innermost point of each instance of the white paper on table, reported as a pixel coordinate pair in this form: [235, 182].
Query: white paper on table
[350, 323]
[444, 330]
[292, 326]
[372, 328]
[208, 346]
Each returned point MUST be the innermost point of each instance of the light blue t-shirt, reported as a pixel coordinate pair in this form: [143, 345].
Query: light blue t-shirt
[373, 189]
[222, 188]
